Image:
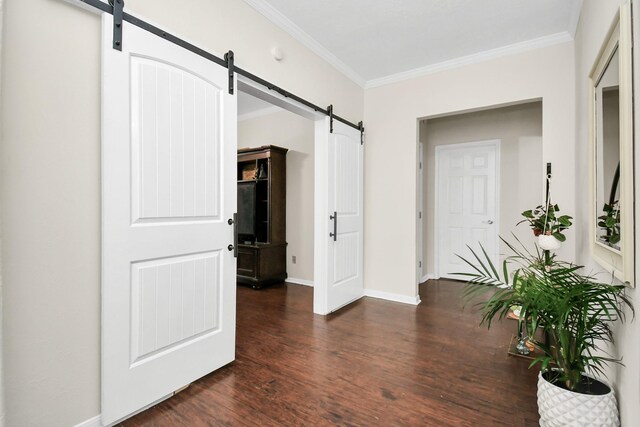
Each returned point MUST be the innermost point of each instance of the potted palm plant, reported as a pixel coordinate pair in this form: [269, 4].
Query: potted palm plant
[574, 310]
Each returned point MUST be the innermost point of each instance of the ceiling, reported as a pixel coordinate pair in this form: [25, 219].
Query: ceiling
[379, 41]
[250, 106]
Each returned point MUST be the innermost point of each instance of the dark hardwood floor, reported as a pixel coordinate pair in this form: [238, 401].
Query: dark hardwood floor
[372, 363]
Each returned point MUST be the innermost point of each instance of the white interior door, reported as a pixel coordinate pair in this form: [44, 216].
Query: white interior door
[467, 186]
[168, 177]
[339, 206]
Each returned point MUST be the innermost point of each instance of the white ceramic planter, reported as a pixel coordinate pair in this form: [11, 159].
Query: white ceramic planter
[548, 242]
[563, 408]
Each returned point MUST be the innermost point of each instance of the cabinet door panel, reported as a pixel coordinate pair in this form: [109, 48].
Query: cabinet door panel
[247, 262]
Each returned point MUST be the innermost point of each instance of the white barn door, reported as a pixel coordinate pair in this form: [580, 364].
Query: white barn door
[467, 186]
[168, 190]
[339, 204]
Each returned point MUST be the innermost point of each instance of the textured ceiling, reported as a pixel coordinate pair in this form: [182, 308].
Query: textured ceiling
[375, 39]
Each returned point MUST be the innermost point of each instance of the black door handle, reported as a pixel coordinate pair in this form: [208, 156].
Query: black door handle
[234, 221]
[334, 217]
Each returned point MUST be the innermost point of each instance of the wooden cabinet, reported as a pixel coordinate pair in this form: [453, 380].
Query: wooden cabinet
[262, 247]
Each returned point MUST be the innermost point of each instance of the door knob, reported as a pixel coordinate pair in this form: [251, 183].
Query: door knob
[230, 248]
[489, 222]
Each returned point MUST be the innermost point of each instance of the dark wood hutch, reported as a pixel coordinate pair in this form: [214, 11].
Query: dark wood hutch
[262, 246]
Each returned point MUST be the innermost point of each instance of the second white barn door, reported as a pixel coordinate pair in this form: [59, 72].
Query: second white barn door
[467, 177]
[168, 191]
[339, 204]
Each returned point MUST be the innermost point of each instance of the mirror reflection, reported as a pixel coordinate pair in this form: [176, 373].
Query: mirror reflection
[607, 99]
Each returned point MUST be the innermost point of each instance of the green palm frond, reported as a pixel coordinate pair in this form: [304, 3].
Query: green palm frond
[574, 310]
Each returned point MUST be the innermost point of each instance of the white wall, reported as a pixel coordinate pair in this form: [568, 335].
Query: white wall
[391, 114]
[296, 133]
[50, 180]
[50, 209]
[595, 21]
[519, 128]
[2, 411]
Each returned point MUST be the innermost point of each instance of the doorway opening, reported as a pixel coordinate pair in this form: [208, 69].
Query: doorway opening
[338, 202]
[275, 194]
[480, 171]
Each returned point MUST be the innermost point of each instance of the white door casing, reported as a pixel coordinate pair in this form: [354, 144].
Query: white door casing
[168, 189]
[467, 201]
[420, 216]
[338, 270]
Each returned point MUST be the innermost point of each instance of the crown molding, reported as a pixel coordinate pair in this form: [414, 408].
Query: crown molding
[297, 33]
[259, 113]
[475, 58]
[282, 22]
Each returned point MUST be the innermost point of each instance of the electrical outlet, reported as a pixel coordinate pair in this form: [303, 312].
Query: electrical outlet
[293, 259]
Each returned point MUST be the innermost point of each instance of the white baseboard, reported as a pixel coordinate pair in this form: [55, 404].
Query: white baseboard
[392, 297]
[426, 277]
[91, 422]
[299, 281]
[97, 420]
